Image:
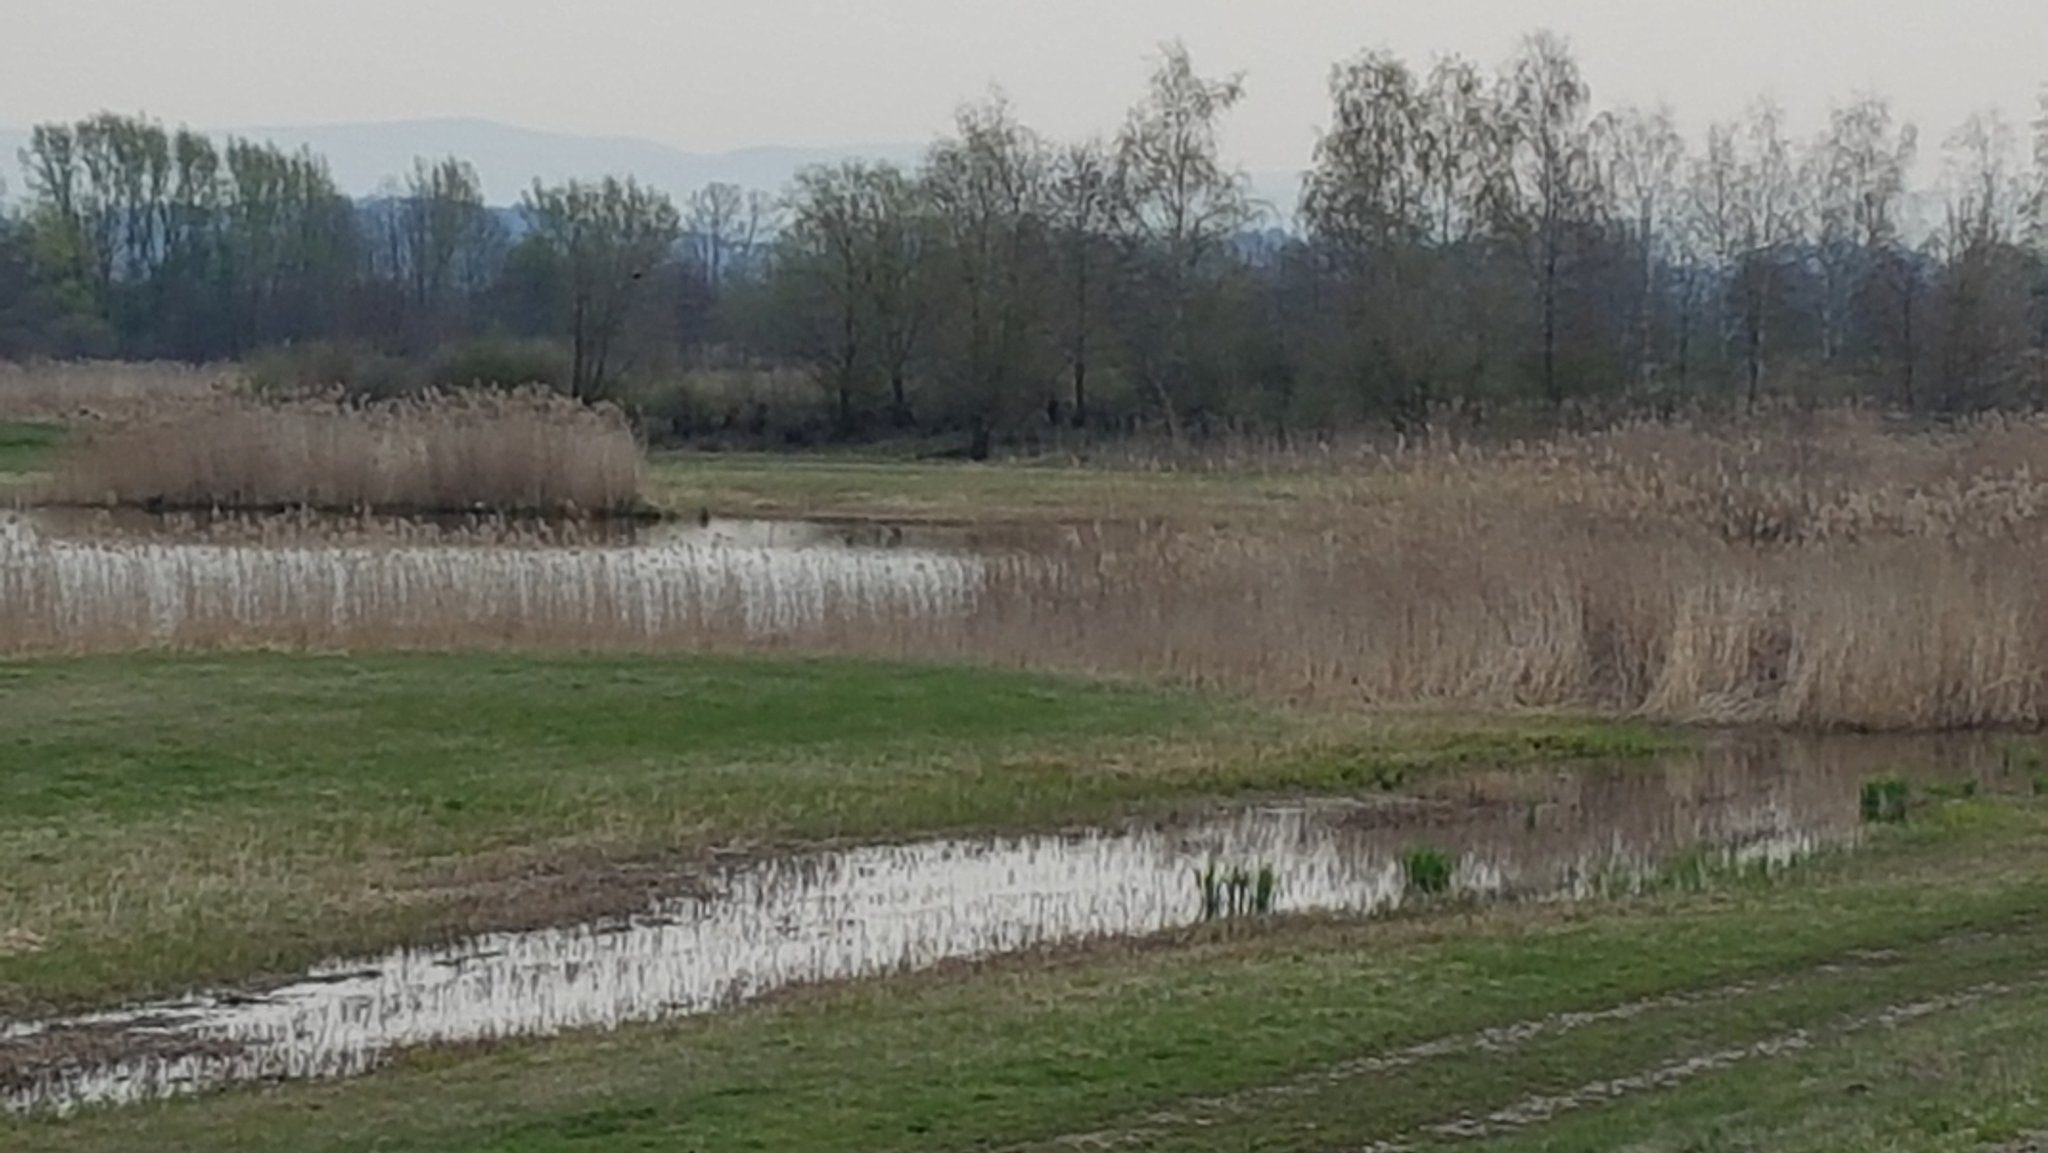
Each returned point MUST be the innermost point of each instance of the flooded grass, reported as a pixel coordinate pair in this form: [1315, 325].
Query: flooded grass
[752, 927]
[166, 821]
[1886, 800]
[1222, 1039]
[1240, 892]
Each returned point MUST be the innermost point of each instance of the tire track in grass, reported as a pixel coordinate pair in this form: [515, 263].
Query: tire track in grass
[1540, 1108]
[1495, 1039]
[1204, 1112]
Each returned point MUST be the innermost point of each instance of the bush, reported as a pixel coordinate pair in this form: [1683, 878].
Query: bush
[322, 366]
[755, 406]
[500, 363]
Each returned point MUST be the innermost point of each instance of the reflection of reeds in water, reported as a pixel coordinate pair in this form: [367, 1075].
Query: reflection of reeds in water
[527, 450]
[491, 586]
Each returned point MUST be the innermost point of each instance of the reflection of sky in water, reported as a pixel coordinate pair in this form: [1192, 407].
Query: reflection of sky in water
[768, 577]
[779, 922]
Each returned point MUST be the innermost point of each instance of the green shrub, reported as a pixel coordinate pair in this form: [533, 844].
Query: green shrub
[500, 362]
[319, 366]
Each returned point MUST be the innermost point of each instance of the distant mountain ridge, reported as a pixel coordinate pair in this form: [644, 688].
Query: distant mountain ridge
[509, 159]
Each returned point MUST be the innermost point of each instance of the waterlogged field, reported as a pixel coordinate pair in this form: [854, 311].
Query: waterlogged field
[1311, 799]
[720, 902]
[1893, 996]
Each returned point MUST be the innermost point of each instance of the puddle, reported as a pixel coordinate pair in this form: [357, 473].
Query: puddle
[70, 576]
[759, 926]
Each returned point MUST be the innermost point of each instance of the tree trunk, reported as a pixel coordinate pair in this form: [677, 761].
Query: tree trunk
[1080, 385]
[1551, 389]
[899, 403]
[1754, 358]
[1081, 336]
[1906, 341]
[579, 358]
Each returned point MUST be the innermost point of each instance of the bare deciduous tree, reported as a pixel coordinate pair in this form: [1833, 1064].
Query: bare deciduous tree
[1642, 160]
[1185, 205]
[715, 226]
[1086, 199]
[608, 239]
[990, 187]
[1550, 192]
[1857, 178]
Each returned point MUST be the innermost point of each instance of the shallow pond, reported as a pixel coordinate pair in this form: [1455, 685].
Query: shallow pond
[750, 927]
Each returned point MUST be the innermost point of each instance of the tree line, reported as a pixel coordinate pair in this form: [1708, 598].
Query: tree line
[1469, 241]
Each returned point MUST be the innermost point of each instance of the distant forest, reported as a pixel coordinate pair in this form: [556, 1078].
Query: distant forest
[1470, 242]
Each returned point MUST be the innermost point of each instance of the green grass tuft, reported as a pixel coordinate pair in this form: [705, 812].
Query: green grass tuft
[1427, 872]
[1240, 892]
[1885, 800]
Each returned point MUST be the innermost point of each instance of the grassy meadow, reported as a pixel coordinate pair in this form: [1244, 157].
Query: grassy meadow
[29, 446]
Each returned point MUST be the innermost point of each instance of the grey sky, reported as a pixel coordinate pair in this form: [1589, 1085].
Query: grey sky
[711, 76]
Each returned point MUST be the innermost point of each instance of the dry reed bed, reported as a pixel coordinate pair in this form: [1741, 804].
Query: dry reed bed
[1453, 609]
[525, 451]
[1841, 576]
[107, 390]
[1833, 475]
[1484, 613]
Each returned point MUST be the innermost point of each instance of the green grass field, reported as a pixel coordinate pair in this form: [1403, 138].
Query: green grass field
[168, 820]
[27, 451]
[849, 486]
[1890, 999]
[29, 447]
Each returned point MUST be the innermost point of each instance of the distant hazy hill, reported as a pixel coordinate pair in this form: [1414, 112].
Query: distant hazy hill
[509, 159]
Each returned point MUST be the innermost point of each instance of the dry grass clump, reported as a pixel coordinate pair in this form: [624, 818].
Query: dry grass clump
[527, 451]
[106, 390]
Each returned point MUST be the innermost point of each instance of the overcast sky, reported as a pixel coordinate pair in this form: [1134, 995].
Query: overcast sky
[709, 76]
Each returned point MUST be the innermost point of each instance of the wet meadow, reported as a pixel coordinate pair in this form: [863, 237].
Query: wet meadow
[1554, 793]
